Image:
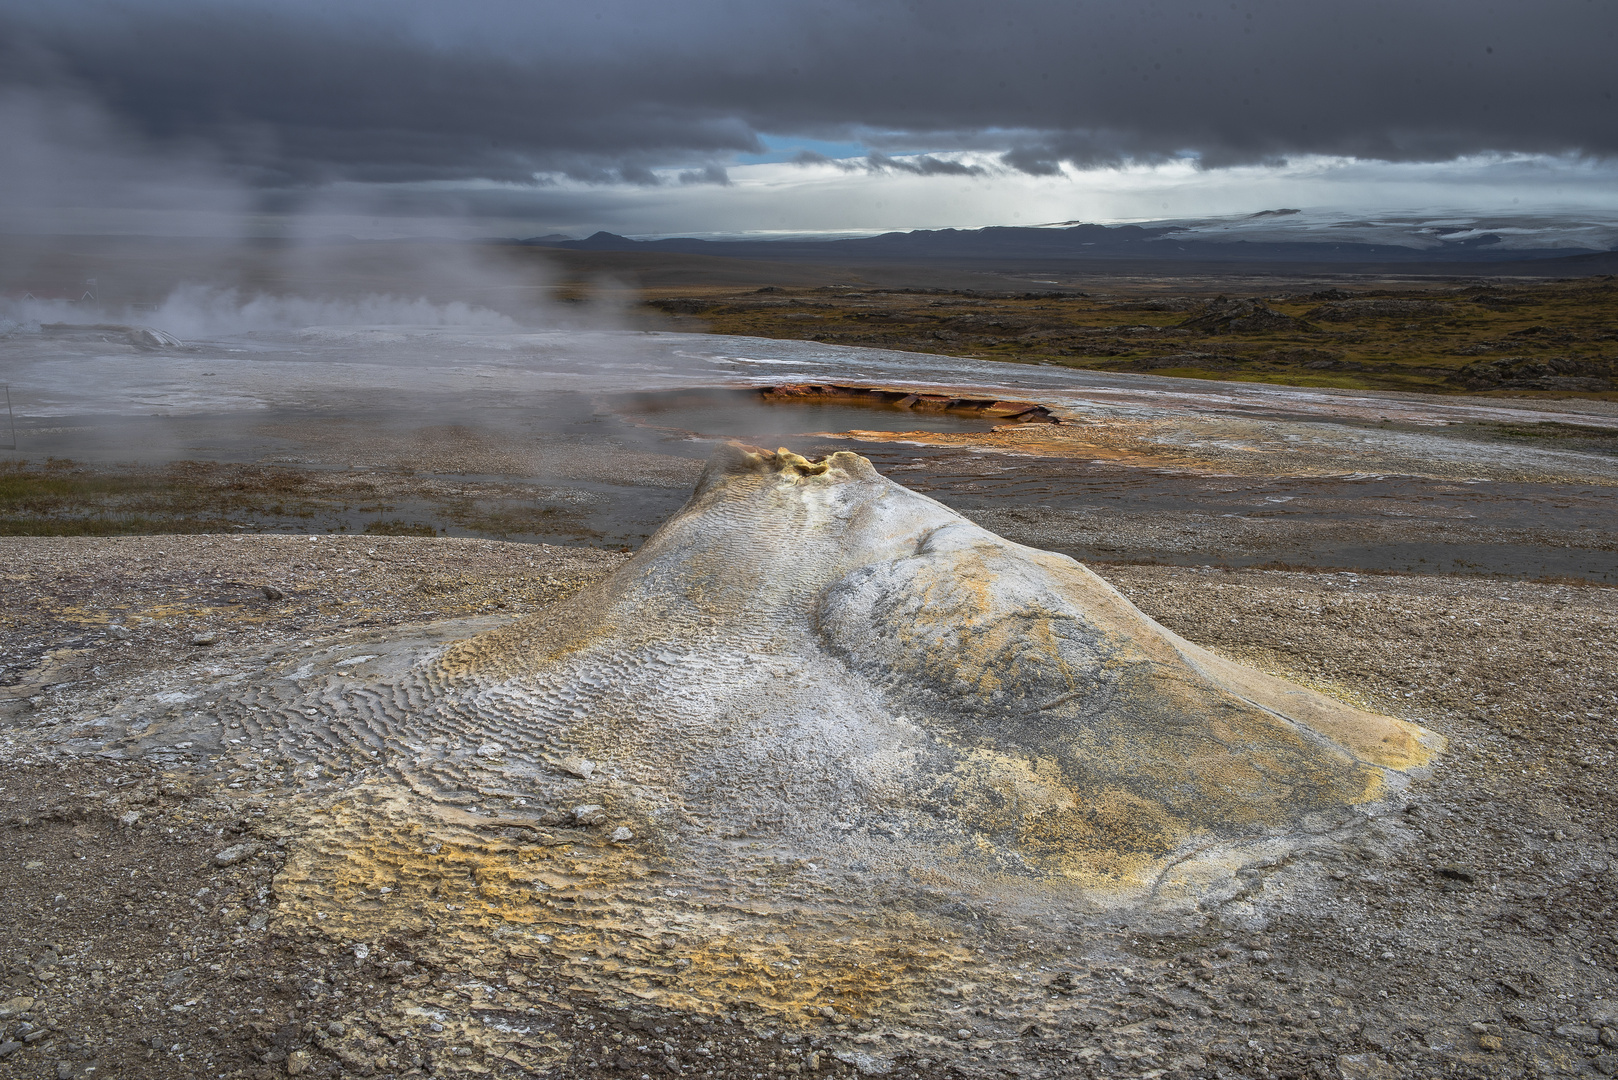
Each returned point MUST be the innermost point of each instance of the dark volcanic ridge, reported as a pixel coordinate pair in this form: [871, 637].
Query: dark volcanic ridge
[1585, 247]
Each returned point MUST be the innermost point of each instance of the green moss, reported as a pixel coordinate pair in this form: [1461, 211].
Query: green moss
[397, 527]
[1450, 327]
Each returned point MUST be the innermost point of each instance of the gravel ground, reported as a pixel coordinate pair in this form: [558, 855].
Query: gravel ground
[1468, 931]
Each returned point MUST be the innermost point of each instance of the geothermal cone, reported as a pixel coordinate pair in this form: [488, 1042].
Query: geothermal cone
[819, 660]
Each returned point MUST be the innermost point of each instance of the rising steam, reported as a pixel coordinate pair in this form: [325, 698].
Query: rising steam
[200, 311]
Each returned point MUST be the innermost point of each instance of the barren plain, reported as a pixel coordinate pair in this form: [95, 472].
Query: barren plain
[184, 909]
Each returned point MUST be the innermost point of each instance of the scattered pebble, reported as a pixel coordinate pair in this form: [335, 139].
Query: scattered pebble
[15, 1007]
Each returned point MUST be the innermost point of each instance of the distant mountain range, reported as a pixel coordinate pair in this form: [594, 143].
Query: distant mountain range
[1269, 236]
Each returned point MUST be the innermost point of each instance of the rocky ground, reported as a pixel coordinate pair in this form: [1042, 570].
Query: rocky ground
[1466, 930]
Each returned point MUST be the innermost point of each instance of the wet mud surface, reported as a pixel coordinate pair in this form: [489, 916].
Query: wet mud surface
[585, 469]
[1370, 523]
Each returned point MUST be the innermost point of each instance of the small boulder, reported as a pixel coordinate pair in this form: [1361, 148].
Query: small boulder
[236, 853]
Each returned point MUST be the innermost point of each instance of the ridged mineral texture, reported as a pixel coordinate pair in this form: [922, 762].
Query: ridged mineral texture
[814, 660]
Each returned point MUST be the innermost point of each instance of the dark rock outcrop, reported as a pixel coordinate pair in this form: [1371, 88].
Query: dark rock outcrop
[1227, 316]
[1563, 373]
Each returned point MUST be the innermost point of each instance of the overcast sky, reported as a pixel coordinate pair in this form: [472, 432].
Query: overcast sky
[707, 116]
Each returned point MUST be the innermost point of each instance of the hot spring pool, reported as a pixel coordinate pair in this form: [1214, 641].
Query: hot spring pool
[766, 413]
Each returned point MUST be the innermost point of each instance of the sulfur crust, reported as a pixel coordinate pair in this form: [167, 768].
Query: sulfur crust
[1191, 748]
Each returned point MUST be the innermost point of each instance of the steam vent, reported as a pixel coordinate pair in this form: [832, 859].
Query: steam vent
[813, 747]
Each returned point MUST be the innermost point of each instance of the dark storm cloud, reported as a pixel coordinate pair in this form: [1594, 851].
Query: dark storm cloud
[297, 92]
[878, 162]
[712, 174]
[920, 165]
